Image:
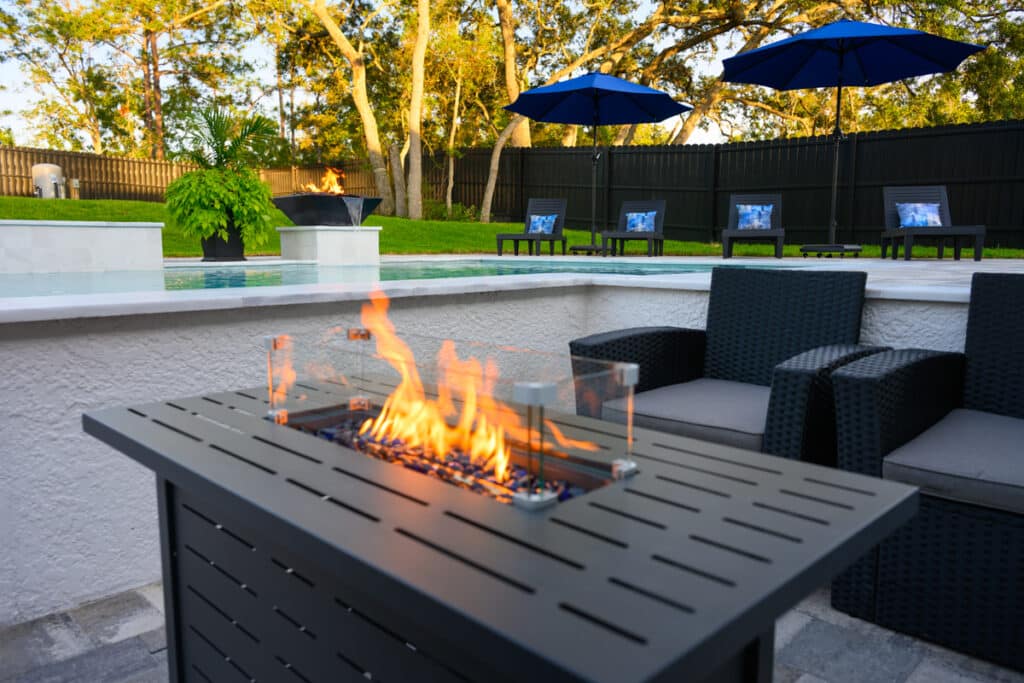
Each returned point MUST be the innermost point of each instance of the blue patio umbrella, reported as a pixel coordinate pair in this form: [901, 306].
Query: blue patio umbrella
[596, 100]
[846, 53]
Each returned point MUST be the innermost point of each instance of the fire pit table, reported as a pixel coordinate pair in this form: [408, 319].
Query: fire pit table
[288, 557]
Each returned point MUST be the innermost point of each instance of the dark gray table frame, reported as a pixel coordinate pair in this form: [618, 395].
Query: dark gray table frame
[289, 558]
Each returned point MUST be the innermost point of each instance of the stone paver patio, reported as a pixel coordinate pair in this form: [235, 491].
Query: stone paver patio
[121, 639]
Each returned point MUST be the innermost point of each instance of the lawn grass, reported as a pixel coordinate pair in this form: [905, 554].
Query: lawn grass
[399, 236]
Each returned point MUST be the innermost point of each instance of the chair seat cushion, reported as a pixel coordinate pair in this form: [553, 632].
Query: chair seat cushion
[731, 413]
[968, 456]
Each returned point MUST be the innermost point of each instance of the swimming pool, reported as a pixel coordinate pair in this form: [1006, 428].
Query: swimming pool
[181, 277]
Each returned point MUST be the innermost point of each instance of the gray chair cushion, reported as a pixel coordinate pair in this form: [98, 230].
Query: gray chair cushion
[731, 413]
[969, 456]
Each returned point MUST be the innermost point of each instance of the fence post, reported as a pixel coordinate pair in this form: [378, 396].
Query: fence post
[713, 192]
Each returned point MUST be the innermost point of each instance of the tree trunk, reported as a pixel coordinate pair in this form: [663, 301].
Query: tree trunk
[451, 146]
[521, 136]
[147, 93]
[419, 55]
[398, 173]
[570, 135]
[361, 99]
[700, 110]
[158, 96]
[492, 173]
[281, 129]
[625, 134]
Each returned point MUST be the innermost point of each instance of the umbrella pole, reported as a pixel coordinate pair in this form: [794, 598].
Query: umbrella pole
[838, 135]
[593, 190]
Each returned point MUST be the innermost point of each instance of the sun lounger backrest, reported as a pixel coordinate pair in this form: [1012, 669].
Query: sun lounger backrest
[643, 205]
[737, 199]
[546, 207]
[914, 194]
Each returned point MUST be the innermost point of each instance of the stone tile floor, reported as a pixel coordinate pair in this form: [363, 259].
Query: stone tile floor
[121, 640]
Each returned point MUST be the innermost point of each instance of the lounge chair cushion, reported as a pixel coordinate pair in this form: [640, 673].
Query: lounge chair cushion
[544, 225]
[731, 413]
[968, 456]
[754, 216]
[919, 215]
[641, 221]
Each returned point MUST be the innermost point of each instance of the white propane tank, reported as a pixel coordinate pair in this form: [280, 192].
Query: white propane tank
[48, 180]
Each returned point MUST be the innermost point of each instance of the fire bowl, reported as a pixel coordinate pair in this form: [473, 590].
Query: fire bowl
[321, 208]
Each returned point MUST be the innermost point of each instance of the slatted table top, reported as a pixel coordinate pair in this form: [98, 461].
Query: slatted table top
[652, 578]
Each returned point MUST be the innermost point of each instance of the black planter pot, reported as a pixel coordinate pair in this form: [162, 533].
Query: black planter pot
[216, 248]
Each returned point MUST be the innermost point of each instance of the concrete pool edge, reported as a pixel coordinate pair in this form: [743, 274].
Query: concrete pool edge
[887, 281]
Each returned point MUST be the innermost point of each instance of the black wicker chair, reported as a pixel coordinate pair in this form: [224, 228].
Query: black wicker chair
[538, 207]
[618, 237]
[756, 378]
[930, 194]
[952, 424]
[775, 233]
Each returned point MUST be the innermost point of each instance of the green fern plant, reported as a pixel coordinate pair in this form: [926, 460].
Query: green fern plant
[223, 193]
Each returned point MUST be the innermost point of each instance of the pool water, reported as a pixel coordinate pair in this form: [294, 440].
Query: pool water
[255, 275]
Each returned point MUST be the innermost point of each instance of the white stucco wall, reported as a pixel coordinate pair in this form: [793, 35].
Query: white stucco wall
[78, 519]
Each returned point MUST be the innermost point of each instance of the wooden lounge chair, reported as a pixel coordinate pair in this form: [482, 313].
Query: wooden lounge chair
[735, 233]
[538, 207]
[614, 241]
[925, 194]
[951, 424]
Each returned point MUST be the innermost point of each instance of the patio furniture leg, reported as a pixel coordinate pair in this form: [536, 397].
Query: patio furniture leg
[650, 247]
[885, 246]
[956, 248]
[501, 242]
[515, 247]
[908, 247]
[726, 247]
[979, 244]
[551, 247]
[896, 248]
[563, 246]
[941, 245]
[778, 247]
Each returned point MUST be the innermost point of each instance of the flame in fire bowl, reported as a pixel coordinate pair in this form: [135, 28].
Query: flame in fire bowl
[320, 208]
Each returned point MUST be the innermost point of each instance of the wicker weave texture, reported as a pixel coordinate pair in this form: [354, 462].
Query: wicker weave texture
[758, 318]
[995, 345]
[955, 575]
[801, 415]
[666, 355]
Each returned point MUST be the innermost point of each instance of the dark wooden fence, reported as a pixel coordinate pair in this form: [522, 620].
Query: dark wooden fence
[982, 167]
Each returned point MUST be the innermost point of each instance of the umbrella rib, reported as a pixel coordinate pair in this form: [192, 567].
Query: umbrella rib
[926, 58]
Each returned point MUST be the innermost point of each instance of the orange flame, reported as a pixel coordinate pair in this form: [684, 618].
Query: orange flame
[330, 183]
[280, 371]
[483, 427]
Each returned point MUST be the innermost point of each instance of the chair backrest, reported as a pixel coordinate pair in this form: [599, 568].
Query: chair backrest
[758, 318]
[914, 194]
[994, 380]
[641, 206]
[546, 207]
[736, 200]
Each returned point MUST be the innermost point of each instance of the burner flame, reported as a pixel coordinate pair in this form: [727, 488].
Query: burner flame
[329, 184]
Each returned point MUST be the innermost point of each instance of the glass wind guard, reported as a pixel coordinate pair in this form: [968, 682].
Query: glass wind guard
[507, 422]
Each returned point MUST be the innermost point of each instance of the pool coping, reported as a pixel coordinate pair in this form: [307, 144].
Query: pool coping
[65, 307]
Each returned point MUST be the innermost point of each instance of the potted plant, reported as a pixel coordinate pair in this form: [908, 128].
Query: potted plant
[223, 203]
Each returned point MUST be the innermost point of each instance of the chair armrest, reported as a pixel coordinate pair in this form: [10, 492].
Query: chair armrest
[666, 355]
[801, 410]
[885, 400]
